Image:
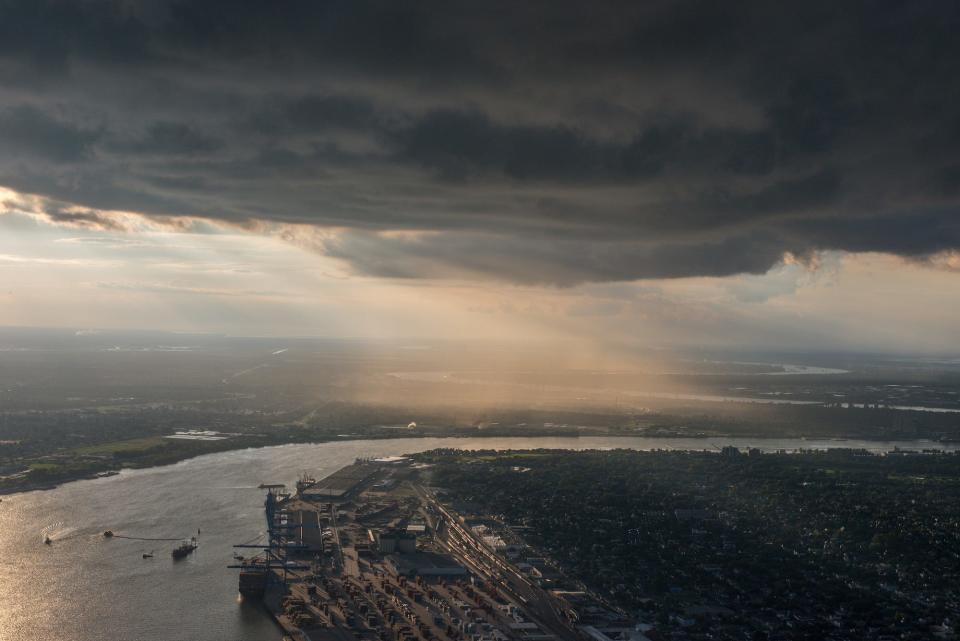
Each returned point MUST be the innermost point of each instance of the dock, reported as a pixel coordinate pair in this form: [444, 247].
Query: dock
[368, 554]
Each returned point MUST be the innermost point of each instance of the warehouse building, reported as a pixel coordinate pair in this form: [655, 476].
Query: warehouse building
[427, 565]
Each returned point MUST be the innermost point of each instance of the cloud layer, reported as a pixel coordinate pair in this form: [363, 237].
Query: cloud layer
[540, 142]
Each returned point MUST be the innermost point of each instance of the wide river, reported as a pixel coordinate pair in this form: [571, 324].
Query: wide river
[84, 587]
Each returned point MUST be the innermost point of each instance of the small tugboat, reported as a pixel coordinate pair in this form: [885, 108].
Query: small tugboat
[107, 534]
[184, 548]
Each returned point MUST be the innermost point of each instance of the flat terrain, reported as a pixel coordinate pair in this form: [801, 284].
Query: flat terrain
[734, 545]
[74, 405]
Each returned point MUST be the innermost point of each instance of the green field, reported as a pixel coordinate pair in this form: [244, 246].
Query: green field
[127, 446]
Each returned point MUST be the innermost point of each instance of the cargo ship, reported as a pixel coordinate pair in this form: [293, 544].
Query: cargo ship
[184, 548]
[253, 578]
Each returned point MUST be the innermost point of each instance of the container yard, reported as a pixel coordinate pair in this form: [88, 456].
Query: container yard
[369, 554]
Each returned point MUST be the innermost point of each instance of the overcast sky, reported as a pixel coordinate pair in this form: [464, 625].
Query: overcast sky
[738, 174]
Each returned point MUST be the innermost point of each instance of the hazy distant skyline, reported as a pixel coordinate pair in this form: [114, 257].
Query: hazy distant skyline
[661, 173]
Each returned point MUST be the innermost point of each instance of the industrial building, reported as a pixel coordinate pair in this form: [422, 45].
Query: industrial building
[338, 486]
[425, 565]
[395, 540]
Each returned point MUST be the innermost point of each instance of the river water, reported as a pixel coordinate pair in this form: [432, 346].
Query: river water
[87, 588]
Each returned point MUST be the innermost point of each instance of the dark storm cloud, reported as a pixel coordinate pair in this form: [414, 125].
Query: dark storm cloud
[561, 261]
[82, 218]
[548, 142]
[464, 144]
[26, 130]
[169, 138]
[310, 114]
[912, 234]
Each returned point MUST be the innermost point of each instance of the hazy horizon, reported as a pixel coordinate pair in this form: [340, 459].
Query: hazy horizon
[248, 283]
